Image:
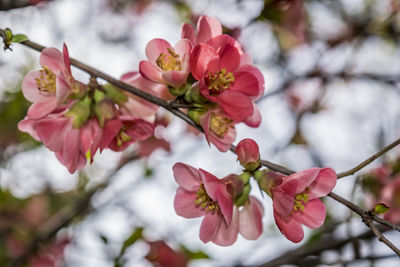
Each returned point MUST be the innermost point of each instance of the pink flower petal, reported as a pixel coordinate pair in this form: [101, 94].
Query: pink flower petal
[175, 78]
[183, 48]
[324, 183]
[27, 126]
[71, 150]
[63, 88]
[246, 81]
[201, 56]
[150, 71]
[207, 28]
[188, 33]
[66, 59]
[305, 178]
[211, 183]
[110, 130]
[291, 229]
[155, 47]
[39, 110]
[184, 204]
[209, 227]
[225, 202]
[205, 124]
[51, 132]
[226, 235]
[223, 144]
[283, 196]
[255, 119]
[52, 58]
[30, 88]
[229, 58]
[313, 214]
[250, 219]
[186, 176]
[236, 105]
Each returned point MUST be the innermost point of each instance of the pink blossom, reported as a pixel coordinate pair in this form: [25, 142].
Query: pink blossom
[166, 64]
[50, 87]
[248, 154]
[163, 255]
[202, 194]
[296, 201]
[207, 28]
[219, 129]
[125, 130]
[390, 195]
[222, 79]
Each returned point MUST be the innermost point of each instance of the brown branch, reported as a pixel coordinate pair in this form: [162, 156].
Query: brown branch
[369, 160]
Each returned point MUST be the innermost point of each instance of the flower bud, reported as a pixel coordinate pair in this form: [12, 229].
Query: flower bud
[248, 154]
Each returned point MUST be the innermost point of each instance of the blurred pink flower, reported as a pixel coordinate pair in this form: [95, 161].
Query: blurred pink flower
[166, 64]
[202, 194]
[248, 154]
[207, 28]
[390, 195]
[164, 256]
[296, 201]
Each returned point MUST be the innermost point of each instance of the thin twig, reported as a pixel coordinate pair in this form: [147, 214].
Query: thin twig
[369, 160]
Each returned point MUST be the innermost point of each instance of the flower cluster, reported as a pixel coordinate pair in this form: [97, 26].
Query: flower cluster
[209, 71]
[75, 120]
[206, 70]
[228, 208]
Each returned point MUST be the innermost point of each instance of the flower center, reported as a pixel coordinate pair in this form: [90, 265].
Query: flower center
[204, 202]
[219, 80]
[170, 61]
[219, 125]
[47, 81]
[301, 199]
[122, 137]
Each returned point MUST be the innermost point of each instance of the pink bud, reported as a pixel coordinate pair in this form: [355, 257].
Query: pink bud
[248, 154]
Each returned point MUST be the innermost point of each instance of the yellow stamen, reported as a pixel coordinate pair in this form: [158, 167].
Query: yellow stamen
[170, 61]
[219, 80]
[219, 125]
[204, 202]
[47, 81]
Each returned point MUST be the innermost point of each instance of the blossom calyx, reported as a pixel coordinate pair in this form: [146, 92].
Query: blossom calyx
[248, 154]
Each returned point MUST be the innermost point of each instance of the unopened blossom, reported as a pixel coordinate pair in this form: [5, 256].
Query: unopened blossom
[51, 86]
[166, 64]
[202, 194]
[296, 201]
[223, 80]
[248, 154]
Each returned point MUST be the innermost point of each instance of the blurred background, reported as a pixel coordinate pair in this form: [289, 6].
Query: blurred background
[332, 74]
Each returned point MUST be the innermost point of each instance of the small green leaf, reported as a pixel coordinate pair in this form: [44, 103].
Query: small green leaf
[194, 255]
[380, 208]
[19, 38]
[135, 236]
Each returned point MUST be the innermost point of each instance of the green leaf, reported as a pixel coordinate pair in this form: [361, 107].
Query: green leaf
[380, 208]
[135, 236]
[19, 38]
[194, 255]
